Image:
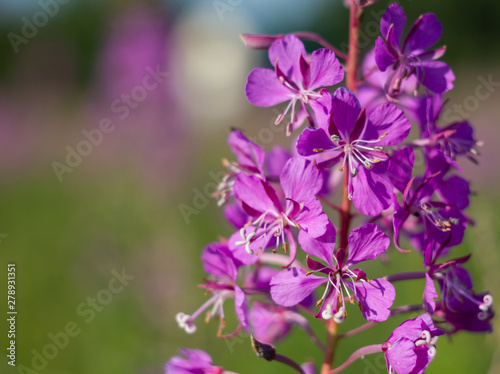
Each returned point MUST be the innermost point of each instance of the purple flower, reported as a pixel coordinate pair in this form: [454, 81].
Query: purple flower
[196, 361]
[271, 219]
[460, 306]
[250, 159]
[295, 79]
[440, 217]
[219, 263]
[411, 346]
[411, 55]
[372, 92]
[270, 323]
[473, 313]
[374, 297]
[356, 140]
[456, 139]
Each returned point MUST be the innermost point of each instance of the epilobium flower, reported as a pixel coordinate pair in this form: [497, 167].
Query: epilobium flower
[411, 56]
[412, 346]
[440, 217]
[295, 78]
[357, 141]
[372, 92]
[460, 306]
[218, 262]
[196, 361]
[272, 221]
[250, 159]
[374, 297]
[456, 139]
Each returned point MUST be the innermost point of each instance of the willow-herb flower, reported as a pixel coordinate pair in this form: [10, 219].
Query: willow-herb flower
[373, 296]
[439, 217]
[296, 79]
[219, 263]
[272, 218]
[356, 141]
[195, 361]
[411, 55]
[412, 346]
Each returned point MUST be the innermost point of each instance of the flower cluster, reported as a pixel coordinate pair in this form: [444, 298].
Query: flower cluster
[285, 258]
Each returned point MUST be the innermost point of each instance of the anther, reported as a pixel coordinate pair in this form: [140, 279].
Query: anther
[318, 150]
[279, 119]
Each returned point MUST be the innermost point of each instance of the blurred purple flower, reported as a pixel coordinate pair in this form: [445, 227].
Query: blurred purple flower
[218, 262]
[456, 139]
[439, 217]
[411, 55]
[460, 307]
[195, 361]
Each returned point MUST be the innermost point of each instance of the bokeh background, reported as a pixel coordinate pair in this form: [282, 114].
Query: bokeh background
[119, 207]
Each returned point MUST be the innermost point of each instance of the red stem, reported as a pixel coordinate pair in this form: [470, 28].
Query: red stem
[345, 208]
[306, 35]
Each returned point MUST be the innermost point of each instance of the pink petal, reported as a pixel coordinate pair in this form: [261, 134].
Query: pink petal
[290, 286]
[387, 119]
[366, 243]
[287, 52]
[325, 69]
[264, 89]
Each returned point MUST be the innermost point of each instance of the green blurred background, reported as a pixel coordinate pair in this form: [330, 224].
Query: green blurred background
[119, 208]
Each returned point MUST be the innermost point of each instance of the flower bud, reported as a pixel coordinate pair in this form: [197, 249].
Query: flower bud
[258, 41]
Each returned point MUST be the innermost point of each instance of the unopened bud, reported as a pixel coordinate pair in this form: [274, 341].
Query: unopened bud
[258, 41]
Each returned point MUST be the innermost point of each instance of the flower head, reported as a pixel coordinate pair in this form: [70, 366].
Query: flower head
[195, 361]
[460, 306]
[295, 79]
[349, 137]
[219, 263]
[412, 346]
[272, 218]
[411, 56]
[343, 283]
[439, 217]
[456, 139]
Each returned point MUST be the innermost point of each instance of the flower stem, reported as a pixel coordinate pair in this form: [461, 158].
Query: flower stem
[306, 35]
[288, 361]
[345, 207]
[396, 311]
[331, 344]
[369, 349]
[352, 57]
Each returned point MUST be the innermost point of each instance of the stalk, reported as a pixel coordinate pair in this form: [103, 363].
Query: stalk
[345, 208]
